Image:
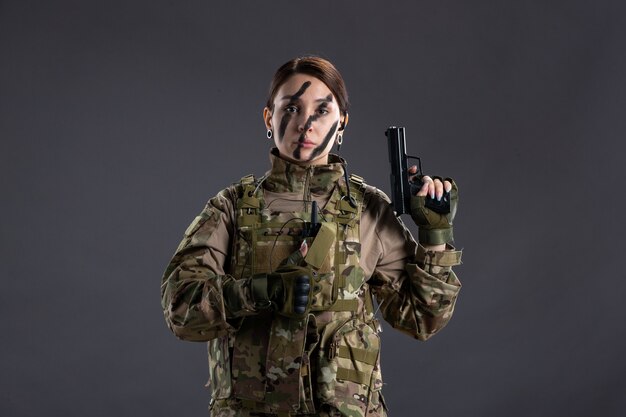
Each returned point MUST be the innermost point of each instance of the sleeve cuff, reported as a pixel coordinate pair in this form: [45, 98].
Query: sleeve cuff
[258, 290]
[449, 257]
[435, 236]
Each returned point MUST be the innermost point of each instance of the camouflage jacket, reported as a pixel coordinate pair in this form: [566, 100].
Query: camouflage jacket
[269, 363]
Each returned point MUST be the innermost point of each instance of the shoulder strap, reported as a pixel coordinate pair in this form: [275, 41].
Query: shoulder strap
[347, 213]
[247, 179]
[248, 203]
[359, 186]
[357, 180]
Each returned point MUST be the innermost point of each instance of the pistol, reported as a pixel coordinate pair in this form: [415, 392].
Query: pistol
[401, 187]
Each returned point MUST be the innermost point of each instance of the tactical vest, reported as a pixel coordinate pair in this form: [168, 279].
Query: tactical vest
[275, 364]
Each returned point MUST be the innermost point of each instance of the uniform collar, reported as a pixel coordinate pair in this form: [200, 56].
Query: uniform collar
[285, 176]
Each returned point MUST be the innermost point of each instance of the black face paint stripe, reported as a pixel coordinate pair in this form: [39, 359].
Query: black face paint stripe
[301, 91]
[323, 145]
[284, 121]
[307, 126]
[310, 121]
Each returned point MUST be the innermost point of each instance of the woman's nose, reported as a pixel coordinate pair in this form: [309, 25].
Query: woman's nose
[305, 122]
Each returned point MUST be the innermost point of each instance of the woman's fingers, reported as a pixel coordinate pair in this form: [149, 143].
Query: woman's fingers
[427, 186]
[434, 187]
[438, 189]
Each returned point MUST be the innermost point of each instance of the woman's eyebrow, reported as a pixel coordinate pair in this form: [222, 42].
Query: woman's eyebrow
[327, 99]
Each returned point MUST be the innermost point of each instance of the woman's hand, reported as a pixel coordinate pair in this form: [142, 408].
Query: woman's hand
[435, 229]
[289, 288]
[433, 187]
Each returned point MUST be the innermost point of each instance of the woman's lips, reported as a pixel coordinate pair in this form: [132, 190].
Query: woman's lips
[306, 143]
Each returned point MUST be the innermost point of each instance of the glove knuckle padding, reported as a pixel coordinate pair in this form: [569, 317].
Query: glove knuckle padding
[295, 299]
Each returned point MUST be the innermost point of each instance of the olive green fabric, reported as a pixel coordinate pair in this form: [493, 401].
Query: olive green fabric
[434, 228]
[322, 243]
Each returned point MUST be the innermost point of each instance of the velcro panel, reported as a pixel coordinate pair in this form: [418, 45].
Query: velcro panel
[361, 355]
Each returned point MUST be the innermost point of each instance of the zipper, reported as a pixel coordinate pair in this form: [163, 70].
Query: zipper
[306, 194]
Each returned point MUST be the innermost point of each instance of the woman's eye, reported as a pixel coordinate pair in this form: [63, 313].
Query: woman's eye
[322, 111]
[291, 109]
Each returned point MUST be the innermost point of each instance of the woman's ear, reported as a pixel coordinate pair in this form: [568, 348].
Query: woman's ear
[344, 122]
[267, 117]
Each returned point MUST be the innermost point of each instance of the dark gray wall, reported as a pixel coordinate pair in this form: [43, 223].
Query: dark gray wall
[119, 119]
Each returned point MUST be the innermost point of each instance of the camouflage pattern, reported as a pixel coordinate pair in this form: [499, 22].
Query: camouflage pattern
[328, 363]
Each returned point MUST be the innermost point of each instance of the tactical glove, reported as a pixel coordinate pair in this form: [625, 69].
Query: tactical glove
[287, 290]
[434, 228]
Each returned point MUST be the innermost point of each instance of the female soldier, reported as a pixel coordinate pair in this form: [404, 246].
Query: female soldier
[277, 273]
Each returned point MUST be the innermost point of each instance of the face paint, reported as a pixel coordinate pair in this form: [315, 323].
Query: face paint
[305, 111]
[324, 144]
[313, 118]
[301, 91]
[307, 126]
[284, 121]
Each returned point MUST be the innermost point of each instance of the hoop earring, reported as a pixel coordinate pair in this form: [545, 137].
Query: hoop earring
[339, 141]
[269, 133]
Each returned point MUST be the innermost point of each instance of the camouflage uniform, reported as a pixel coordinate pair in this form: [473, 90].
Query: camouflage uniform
[328, 363]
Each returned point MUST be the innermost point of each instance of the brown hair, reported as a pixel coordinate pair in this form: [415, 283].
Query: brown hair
[317, 67]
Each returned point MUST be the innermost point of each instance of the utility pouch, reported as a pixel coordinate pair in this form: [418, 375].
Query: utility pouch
[323, 242]
[251, 345]
[287, 367]
[348, 367]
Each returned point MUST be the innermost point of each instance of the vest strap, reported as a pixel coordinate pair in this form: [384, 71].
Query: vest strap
[369, 303]
[361, 355]
[353, 375]
[358, 180]
[345, 305]
[248, 203]
[247, 179]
